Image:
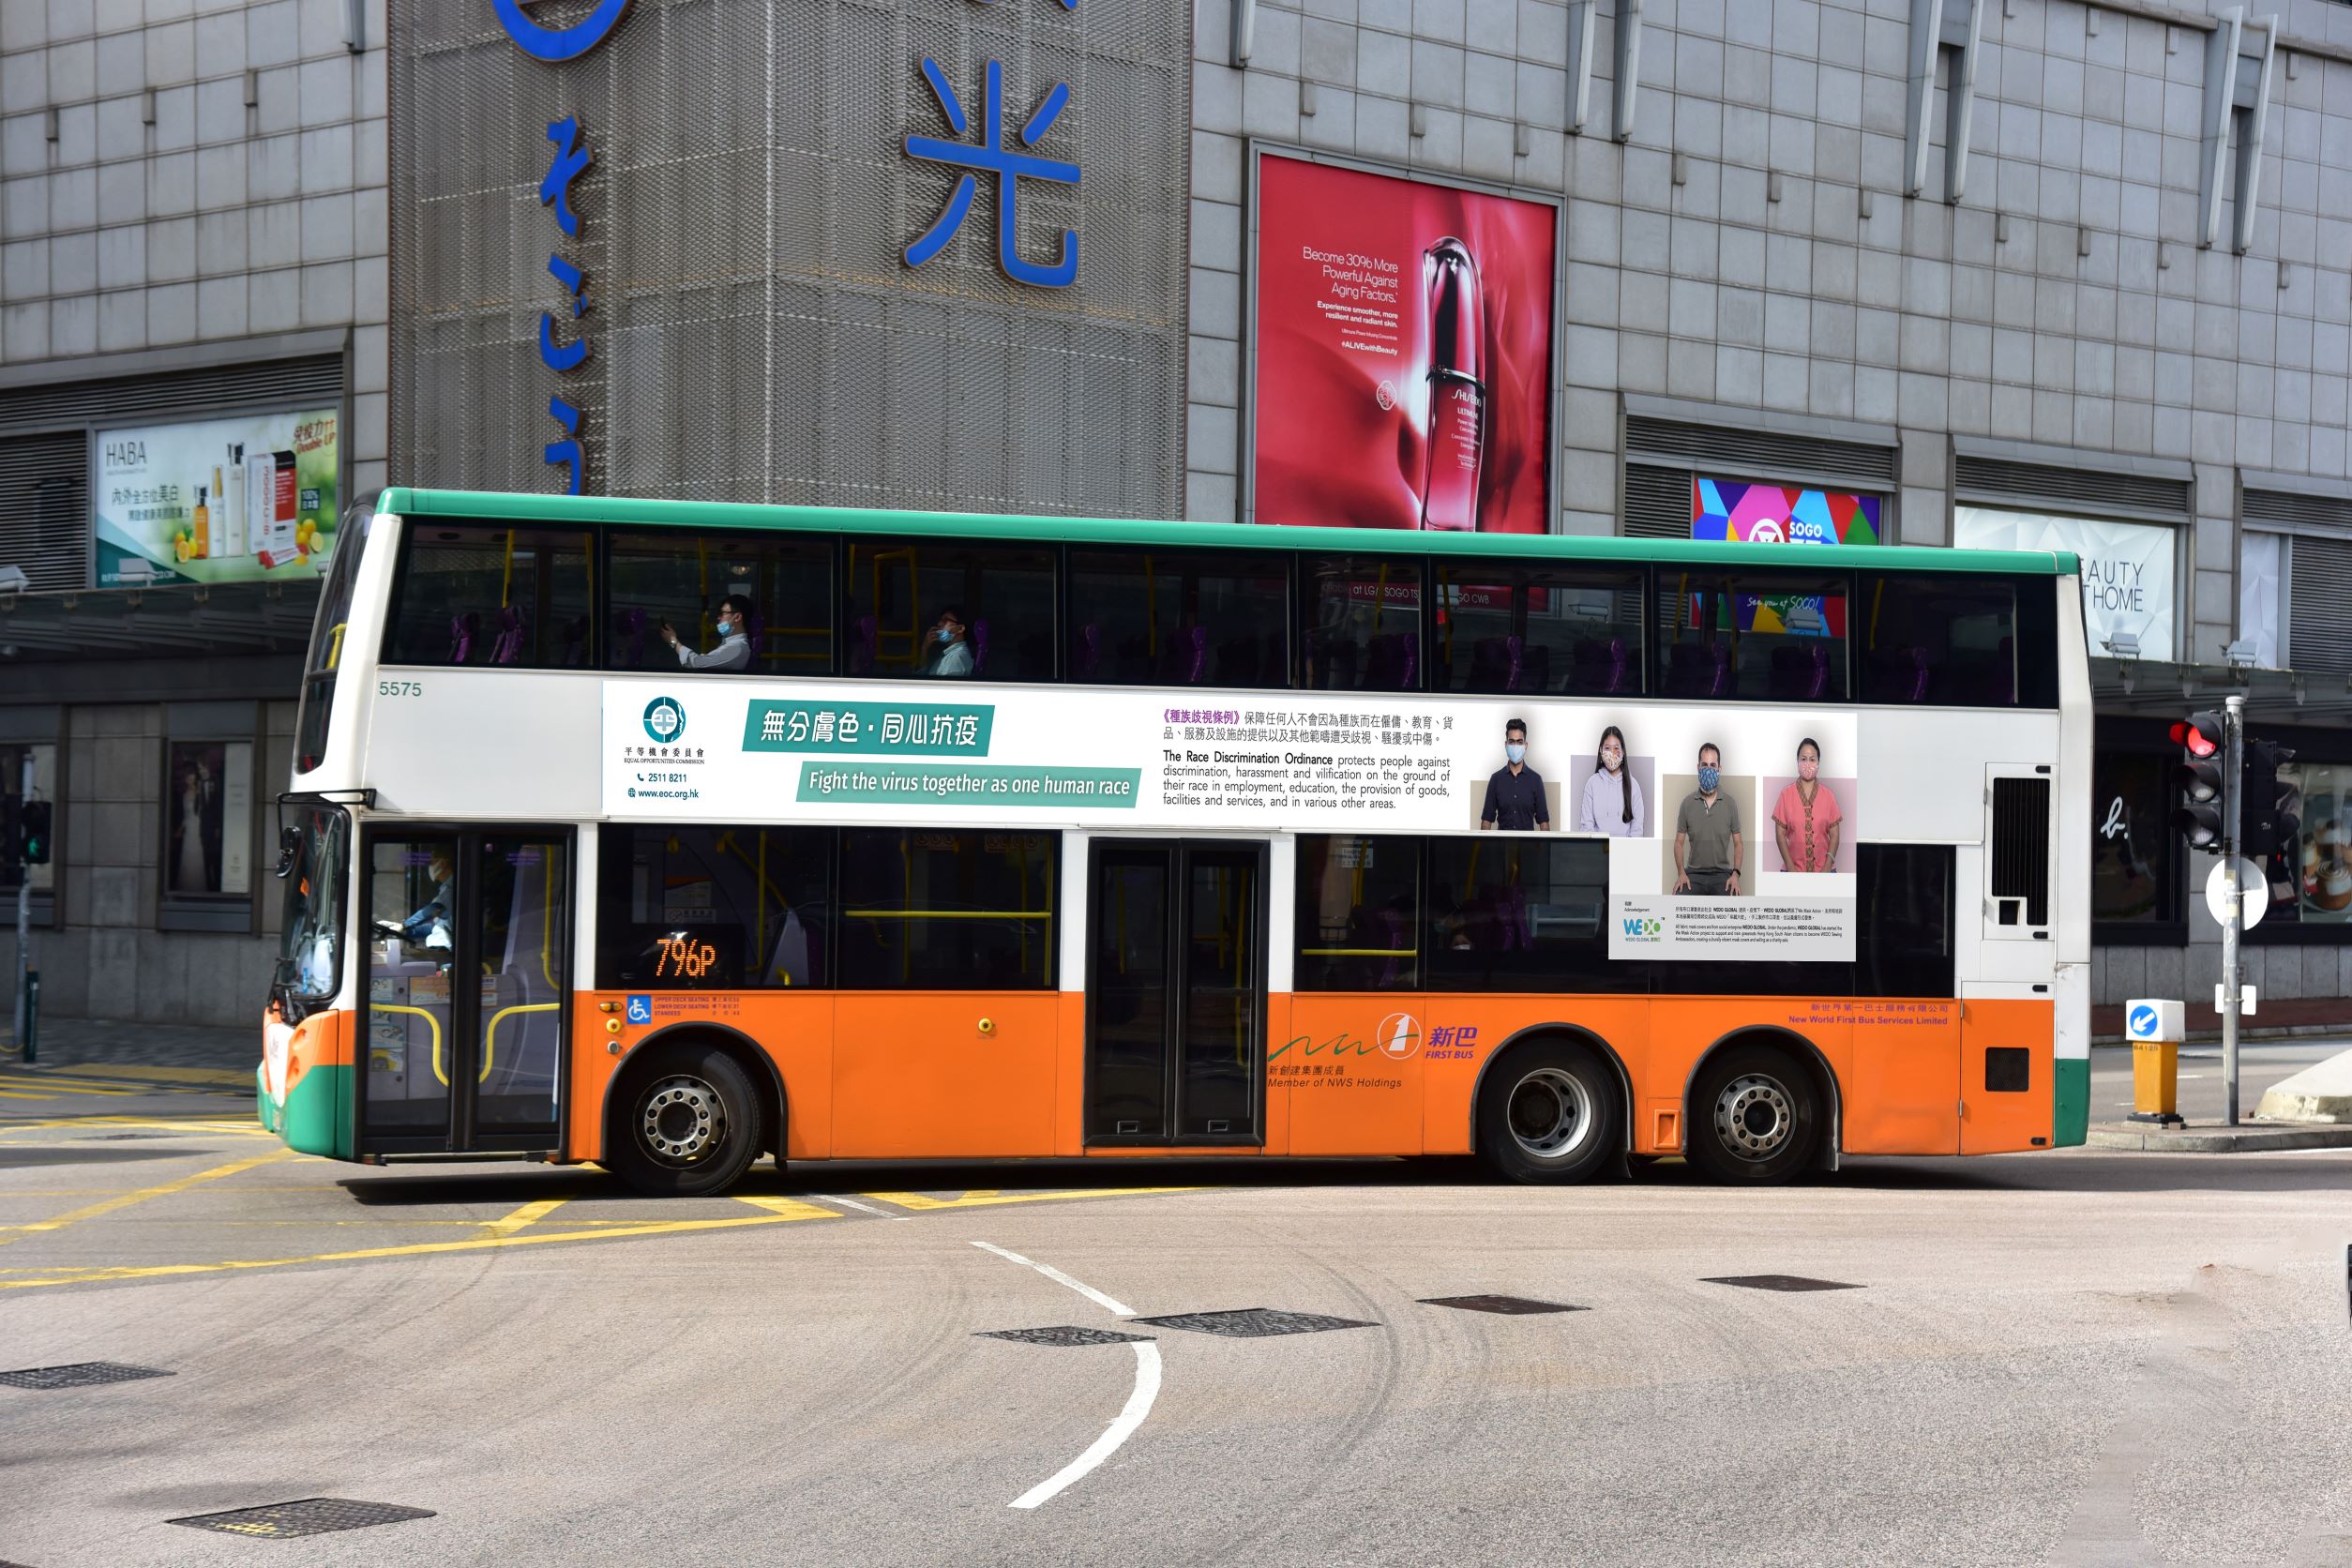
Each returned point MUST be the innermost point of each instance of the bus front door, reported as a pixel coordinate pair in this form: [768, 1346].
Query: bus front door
[1176, 993]
[465, 983]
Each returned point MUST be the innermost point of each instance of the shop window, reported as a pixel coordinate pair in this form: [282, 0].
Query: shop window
[919, 608]
[2312, 884]
[1359, 913]
[1943, 639]
[1518, 915]
[1360, 623]
[483, 597]
[1507, 628]
[2135, 867]
[947, 911]
[1179, 618]
[1776, 637]
[676, 579]
[714, 907]
[208, 822]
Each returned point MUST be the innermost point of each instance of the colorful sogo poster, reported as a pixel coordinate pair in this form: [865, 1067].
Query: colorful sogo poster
[2127, 568]
[220, 500]
[1782, 514]
[1761, 808]
[1404, 353]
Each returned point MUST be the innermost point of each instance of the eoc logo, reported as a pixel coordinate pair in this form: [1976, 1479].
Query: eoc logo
[665, 720]
[557, 44]
[1399, 1036]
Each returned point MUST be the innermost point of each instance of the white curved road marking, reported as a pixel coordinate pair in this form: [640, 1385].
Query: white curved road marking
[1130, 1416]
[1147, 1388]
[1060, 1278]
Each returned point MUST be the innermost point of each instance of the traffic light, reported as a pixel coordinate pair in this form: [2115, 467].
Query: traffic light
[2201, 738]
[11, 830]
[2264, 827]
[32, 832]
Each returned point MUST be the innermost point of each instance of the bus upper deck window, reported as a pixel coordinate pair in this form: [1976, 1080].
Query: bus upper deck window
[1178, 617]
[1360, 623]
[1513, 627]
[677, 579]
[478, 596]
[1774, 636]
[940, 608]
[1944, 638]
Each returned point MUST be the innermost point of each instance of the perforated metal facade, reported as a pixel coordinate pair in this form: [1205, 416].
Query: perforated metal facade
[757, 334]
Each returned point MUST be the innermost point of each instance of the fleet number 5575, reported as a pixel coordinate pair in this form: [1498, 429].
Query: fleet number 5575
[400, 688]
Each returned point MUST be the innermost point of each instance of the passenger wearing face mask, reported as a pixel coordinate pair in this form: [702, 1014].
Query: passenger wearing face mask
[1612, 802]
[1515, 802]
[1706, 834]
[1807, 820]
[951, 642]
[733, 653]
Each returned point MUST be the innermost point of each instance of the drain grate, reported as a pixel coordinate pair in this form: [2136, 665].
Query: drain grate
[1778, 1282]
[1254, 1322]
[308, 1517]
[1509, 1306]
[80, 1374]
[1063, 1335]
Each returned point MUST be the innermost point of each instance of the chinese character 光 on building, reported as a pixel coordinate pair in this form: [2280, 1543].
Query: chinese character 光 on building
[1010, 166]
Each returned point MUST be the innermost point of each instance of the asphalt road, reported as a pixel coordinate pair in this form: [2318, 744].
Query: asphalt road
[2202, 1091]
[2067, 1358]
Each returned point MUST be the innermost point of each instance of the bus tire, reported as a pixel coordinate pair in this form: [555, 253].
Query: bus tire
[688, 1124]
[1755, 1117]
[1549, 1113]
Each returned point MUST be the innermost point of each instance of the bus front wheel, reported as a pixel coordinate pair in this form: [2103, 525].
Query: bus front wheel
[688, 1124]
[1549, 1113]
[1755, 1117]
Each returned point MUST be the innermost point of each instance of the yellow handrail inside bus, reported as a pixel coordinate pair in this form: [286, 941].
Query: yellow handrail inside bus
[1357, 951]
[335, 649]
[430, 1018]
[507, 580]
[947, 914]
[489, 1034]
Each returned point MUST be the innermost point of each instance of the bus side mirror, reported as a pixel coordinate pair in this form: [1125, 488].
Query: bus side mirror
[289, 851]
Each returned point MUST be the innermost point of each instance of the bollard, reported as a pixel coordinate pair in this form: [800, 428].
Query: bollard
[2154, 1028]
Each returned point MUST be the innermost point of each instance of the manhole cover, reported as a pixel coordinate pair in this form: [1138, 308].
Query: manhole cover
[1065, 1333]
[1510, 1306]
[1779, 1282]
[80, 1374]
[308, 1516]
[1254, 1322]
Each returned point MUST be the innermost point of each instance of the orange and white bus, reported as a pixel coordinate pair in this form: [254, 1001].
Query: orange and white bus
[666, 836]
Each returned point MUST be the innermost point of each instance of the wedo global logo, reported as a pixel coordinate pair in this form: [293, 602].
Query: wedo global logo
[1642, 926]
[665, 720]
[557, 44]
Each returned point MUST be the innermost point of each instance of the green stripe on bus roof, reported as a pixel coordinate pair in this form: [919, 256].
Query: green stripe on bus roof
[490, 507]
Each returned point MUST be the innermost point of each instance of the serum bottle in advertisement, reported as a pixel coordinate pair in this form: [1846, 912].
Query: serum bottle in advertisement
[232, 507]
[1457, 392]
[199, 535]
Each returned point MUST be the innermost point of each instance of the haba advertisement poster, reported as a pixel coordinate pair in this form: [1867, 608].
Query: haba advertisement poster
[1404, 353]
[1731, 831]
[220, 500]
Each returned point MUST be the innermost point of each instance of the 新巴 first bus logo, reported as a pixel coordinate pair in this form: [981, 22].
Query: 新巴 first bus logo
[665, 721]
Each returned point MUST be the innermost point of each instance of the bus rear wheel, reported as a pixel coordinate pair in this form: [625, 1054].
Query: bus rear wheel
[1549, 1113]
[1755, 1117]
[688, 1124]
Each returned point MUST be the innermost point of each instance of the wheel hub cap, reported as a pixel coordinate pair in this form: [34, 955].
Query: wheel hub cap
[681, 1120]
[1551, 1114]
[1755, 1117]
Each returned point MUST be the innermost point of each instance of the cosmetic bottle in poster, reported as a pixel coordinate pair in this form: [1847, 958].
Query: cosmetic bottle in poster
[1457, 430]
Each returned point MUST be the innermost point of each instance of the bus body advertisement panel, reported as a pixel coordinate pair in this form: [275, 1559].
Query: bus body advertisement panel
[1733, 829]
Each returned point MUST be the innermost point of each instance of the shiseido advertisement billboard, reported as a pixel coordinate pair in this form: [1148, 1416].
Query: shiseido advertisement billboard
[1404, 353]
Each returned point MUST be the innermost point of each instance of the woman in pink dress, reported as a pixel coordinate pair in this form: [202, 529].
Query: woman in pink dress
[1807, 819]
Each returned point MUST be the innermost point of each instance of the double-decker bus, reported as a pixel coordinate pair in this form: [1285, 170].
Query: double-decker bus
[1021, 837]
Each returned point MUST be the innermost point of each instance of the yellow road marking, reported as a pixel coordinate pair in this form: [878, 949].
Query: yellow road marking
[527, 1215]
[124, 1201]
[416, 1249]
[12, 1095]
[173, 1075]
[989, 1198]
[37, 1079]
[173, 1123]
[792, 1208]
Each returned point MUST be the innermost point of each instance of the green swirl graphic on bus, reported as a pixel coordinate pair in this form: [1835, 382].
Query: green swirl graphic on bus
[665, 720]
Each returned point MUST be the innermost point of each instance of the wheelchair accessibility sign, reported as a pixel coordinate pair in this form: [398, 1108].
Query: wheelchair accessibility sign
[640, 1008]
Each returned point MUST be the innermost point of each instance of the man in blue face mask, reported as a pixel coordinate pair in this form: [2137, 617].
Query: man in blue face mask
[733, 653]
[1515, 801]
[1706, 834]
[951, 644]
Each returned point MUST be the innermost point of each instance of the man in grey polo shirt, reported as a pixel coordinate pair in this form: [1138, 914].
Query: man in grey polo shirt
[1706, 834]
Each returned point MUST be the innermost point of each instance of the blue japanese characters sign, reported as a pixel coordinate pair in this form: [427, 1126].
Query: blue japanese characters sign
[555, 44]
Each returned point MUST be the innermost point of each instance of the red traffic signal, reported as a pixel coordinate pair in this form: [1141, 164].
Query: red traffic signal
[2199, 734]
[2200, 737]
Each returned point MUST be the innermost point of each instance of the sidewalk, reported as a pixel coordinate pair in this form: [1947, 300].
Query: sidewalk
[90, 1042]
[2218, 1138]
